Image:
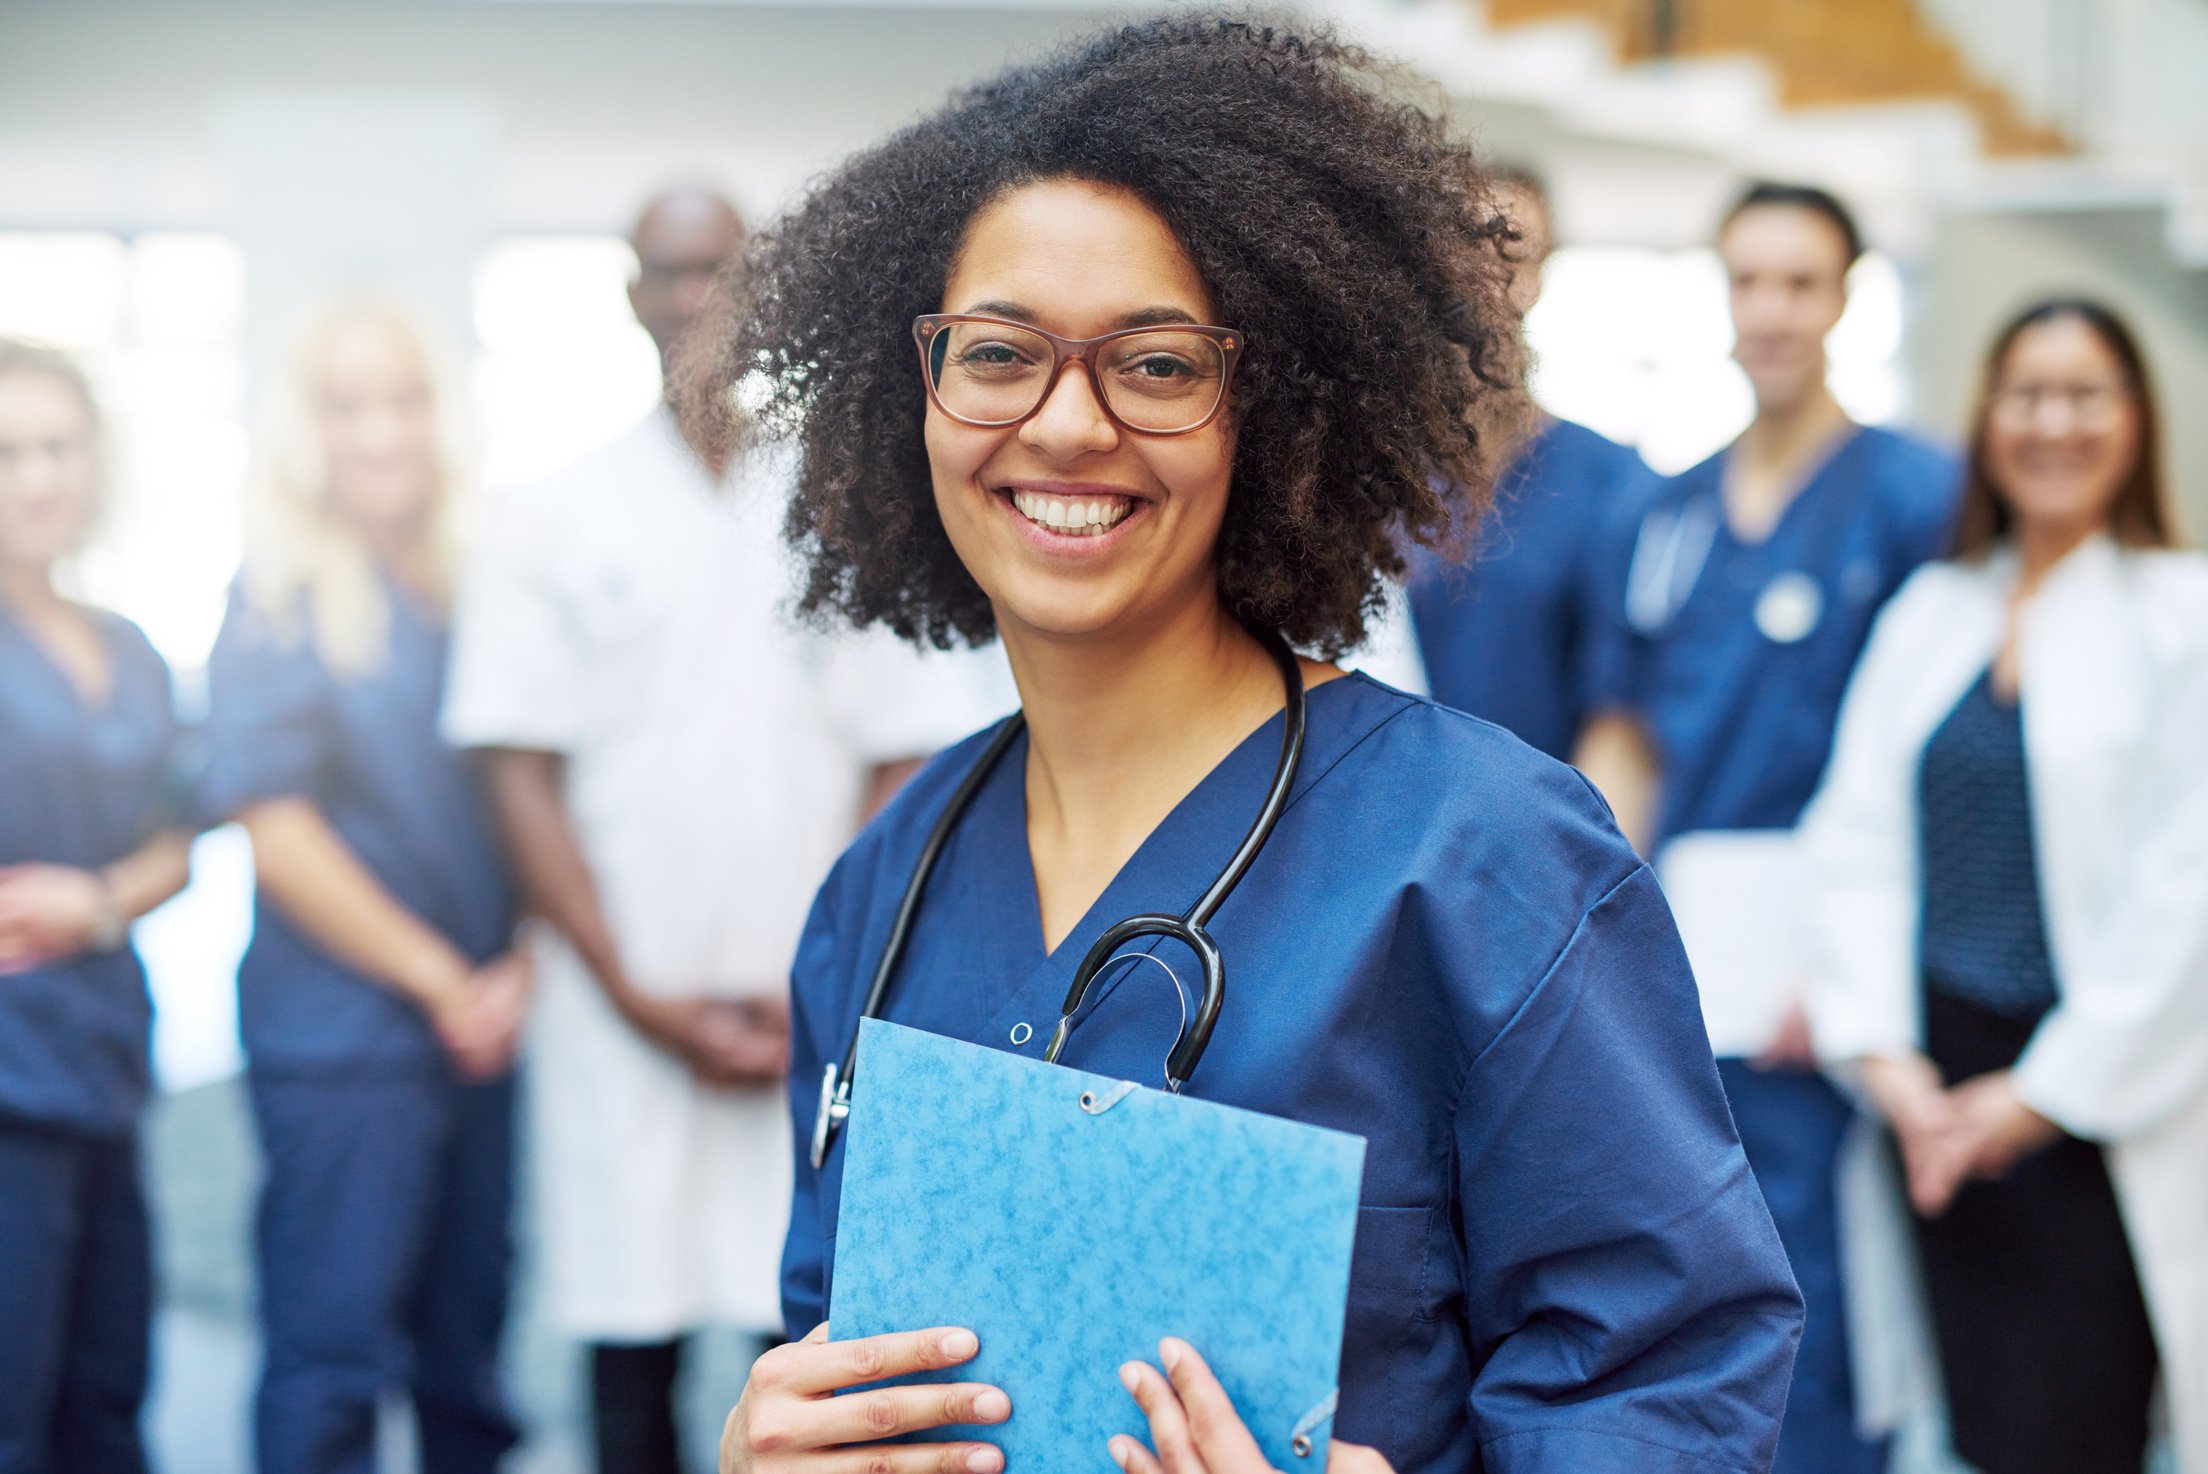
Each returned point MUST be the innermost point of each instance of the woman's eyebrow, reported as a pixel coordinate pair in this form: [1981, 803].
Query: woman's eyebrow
[1141, 317]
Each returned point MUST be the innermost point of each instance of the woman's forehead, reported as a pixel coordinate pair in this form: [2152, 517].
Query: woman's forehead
[1076, 257]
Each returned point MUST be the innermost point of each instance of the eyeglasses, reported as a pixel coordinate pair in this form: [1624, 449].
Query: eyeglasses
[2092, 406]
[990, 373]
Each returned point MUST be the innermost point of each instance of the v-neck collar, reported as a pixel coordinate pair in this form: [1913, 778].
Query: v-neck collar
[1167, 871]
[1805, 505]
[87, 707]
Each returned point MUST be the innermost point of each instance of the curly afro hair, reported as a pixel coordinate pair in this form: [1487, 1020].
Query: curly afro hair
[1344, 230]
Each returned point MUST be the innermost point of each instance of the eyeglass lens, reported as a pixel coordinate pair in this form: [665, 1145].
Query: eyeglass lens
[2088, 404]
[993, 373]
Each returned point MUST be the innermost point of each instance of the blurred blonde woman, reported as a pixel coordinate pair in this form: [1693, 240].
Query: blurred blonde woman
[88, 843]
[2011, 849]
[380, 998]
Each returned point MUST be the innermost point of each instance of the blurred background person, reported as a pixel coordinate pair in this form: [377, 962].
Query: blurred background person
[379, 1000]
[1502, 636]
[89, 842]
[675, 768]
[1736, 597]
[2010, 856]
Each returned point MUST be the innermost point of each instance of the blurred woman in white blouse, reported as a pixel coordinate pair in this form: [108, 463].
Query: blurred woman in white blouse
[2011, 853]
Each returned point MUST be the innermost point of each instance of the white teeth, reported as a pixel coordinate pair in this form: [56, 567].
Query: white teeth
[1076, 517]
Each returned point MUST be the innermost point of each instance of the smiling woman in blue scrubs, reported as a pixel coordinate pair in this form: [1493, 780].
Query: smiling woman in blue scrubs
[379, 1002]
[1561, 1263]
[1738, 596]
[87, 845]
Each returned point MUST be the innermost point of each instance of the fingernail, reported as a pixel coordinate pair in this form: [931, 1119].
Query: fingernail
[1130, 1377]
[1169, 1352]
[985, 1460]
[1118, 1448]
[992, 1406]
[960, 1344]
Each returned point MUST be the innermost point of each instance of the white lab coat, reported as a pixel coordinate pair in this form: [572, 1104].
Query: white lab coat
[632, 615]
[2114, 662]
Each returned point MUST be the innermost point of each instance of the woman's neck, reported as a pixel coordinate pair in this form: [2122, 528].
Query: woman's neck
[2041, 545]
[1112, 722]
[401, 549]
[28, 588]
[1774, 457]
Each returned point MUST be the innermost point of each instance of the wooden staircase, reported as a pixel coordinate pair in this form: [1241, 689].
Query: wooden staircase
[1823, 53]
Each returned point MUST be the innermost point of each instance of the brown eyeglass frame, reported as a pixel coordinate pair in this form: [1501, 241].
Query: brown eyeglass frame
[1075, 350]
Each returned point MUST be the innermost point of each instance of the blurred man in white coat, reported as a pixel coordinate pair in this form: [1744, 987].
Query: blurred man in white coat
[675, 769]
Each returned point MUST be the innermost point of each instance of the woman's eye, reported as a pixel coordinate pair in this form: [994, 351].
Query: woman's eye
[991, 355]
[1160, 366]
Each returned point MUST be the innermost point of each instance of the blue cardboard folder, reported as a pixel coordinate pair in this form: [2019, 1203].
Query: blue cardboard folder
[1071, 1220]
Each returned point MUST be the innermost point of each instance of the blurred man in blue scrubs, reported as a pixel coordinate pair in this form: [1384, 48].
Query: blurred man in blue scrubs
[1504, 635]
[1736, 598]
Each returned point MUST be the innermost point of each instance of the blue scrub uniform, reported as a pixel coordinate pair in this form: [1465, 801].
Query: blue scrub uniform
[1505, 638]
[383, 1236]
[1446, 948]
[81, 784]
[1739, 690]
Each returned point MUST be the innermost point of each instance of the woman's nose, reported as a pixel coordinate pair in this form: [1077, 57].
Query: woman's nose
[1071, 421]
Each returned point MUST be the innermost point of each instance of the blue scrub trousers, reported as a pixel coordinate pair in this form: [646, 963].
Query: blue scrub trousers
[385, 1254]
[76, 1302]
[1792, 1124]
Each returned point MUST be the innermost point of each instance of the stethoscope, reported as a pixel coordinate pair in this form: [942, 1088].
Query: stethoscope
[1671, 549]
[1187, 929]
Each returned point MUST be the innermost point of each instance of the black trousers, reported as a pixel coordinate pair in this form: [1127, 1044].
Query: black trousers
[632, 1400]
[2046, 1351]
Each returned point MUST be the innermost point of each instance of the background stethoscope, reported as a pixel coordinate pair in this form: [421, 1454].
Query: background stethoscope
[1187, 929]
[1670, 551]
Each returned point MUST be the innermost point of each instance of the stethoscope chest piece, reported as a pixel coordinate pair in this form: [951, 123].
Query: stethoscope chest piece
[1788, 609]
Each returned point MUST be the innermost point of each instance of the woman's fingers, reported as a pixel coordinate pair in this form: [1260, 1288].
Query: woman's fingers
[811, 1367]
[1131, 1456]
[916, 1458]
[1169, 1431]
[1221, 1436]
[885, 1412]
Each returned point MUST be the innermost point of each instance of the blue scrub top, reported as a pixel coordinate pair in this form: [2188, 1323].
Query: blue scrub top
[1742, 722]
[365, 751]
[1446, 948]
[1505, 637]
[80, 785]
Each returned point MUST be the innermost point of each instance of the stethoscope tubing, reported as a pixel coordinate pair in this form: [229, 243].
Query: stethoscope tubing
[1188, 928]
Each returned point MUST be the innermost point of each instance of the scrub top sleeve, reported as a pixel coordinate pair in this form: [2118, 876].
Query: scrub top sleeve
[1631, 1310]
[804, 1253]
[1607, 662]
[267, 730]
[516, 674]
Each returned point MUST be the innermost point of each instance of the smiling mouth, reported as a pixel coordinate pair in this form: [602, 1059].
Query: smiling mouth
[1073, 516]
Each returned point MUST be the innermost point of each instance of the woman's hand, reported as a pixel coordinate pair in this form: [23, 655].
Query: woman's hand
[1195, 1429]
[1908, 1091]
[790, 1418]
[726, 1042]
[47, 913]
[480, 1021]
[1994, 1129]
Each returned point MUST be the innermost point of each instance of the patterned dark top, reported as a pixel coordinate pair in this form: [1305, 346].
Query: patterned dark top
[1983, 937]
